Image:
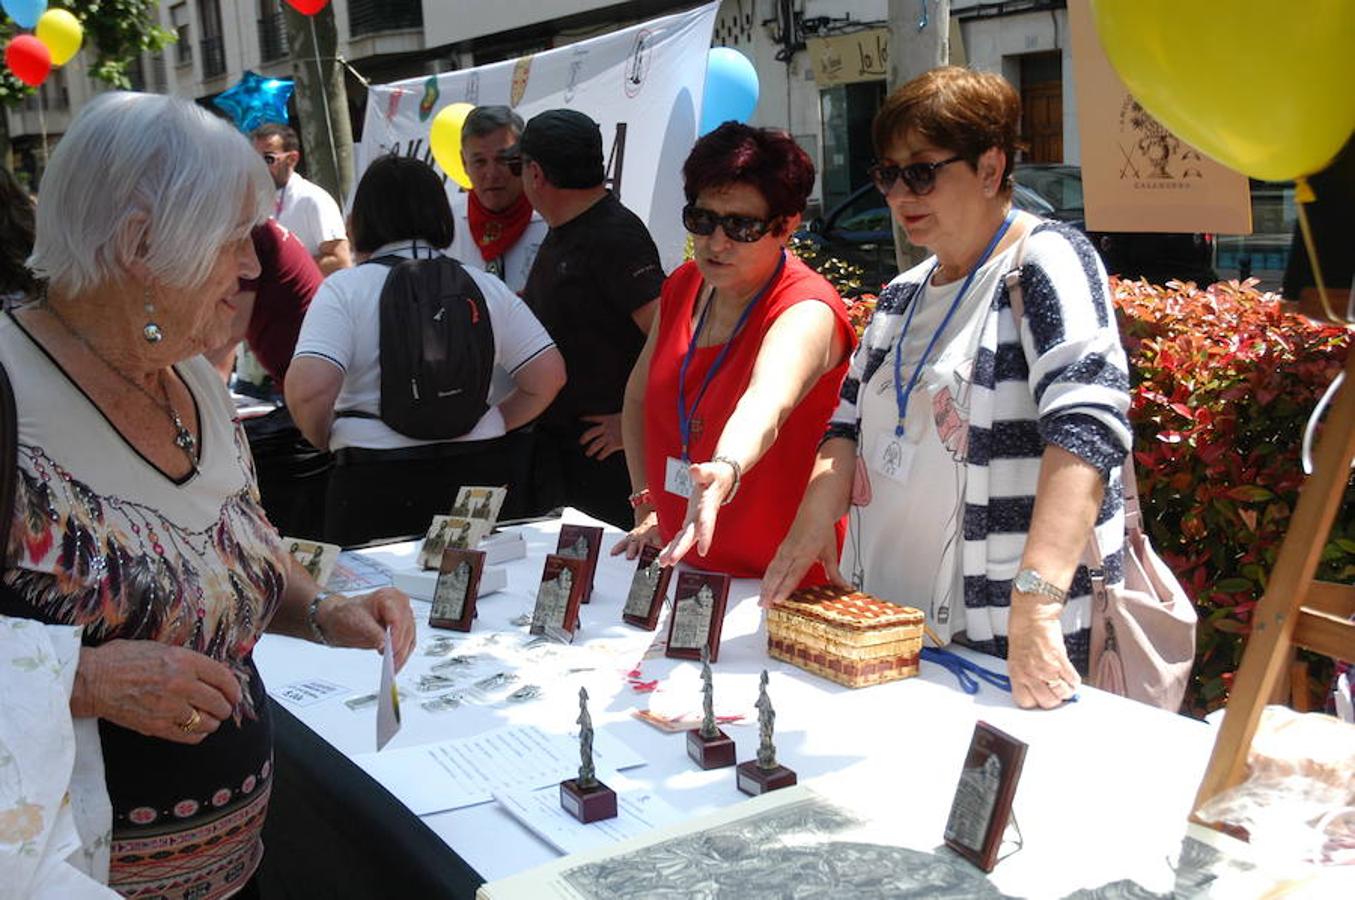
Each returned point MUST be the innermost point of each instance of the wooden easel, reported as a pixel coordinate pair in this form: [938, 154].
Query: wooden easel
[1297, 610]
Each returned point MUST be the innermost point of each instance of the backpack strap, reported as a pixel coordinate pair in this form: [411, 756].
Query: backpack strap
[390, 261]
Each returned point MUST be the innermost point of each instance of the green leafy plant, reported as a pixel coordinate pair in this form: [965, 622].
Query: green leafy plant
[1224, 381]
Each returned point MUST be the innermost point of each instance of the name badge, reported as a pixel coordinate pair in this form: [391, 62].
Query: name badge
[893, 456]
[677, 478]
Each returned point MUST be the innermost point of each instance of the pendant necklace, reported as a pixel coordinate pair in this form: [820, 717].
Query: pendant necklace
[183, 438]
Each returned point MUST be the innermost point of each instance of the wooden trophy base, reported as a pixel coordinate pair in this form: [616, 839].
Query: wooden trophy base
[710, 753]
[590, 804]
[754, 780]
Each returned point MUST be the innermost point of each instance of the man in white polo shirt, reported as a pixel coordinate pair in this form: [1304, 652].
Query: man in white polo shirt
[303, 208]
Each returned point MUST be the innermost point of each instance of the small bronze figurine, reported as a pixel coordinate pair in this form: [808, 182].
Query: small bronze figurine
[585, 798]
[708, 746]
[765, 773]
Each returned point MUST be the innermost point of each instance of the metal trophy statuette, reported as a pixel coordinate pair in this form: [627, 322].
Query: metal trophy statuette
[585, 798]
[708, 746]
[765, 773]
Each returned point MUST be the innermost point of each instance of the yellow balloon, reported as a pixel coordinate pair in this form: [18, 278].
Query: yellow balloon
[445, 140]
[1265, 88]
[61, 33]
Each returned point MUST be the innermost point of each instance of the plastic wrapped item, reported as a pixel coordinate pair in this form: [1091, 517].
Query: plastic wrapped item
[1297, 806]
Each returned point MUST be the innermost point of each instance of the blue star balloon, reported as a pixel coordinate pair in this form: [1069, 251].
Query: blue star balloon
[256, 100]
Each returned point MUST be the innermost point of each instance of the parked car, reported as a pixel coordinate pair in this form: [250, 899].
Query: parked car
[859, 231]
[1156, 256]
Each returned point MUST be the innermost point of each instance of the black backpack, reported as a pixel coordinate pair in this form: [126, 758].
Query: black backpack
[437, 349]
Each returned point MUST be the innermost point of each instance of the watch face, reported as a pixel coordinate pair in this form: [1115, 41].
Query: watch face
[1027, 582]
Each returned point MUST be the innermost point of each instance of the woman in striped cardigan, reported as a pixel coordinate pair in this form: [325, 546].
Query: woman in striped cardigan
[975, 452]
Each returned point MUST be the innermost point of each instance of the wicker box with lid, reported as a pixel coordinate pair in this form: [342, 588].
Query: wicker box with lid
[848, 637]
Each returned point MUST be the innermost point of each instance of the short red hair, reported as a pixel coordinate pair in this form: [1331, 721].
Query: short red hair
[765, 158]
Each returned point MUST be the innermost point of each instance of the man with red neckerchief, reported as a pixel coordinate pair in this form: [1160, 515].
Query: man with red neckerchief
[496, 228]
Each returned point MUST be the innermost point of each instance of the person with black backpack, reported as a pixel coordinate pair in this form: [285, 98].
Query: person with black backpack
[393, 366]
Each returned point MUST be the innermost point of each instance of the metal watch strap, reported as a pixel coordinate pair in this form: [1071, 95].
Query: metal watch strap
[311, 610]
[1038, 585]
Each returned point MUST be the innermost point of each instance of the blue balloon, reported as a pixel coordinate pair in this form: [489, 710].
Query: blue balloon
[25, 13]
[731, 89]
[255, 100]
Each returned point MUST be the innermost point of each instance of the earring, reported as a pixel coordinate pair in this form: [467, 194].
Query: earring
[151, 332]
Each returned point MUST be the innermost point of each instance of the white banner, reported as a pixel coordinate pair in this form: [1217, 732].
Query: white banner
[642, 84]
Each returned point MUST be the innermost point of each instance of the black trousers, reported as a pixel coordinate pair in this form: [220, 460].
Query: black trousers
[565, 476]
[380, 494]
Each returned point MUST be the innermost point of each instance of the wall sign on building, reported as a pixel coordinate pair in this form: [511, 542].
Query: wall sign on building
[849, 58]
[1137, 175]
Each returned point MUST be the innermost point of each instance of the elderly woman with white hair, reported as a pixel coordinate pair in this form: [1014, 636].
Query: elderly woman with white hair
[136, 535]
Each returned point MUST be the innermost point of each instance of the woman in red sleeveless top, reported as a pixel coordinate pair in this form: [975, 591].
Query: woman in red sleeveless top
[728, 401]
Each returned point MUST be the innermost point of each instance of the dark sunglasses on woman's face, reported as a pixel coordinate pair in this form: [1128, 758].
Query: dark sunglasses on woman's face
[744, 229]
[920, 177]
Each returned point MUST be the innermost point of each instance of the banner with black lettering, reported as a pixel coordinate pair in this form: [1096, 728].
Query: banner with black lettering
[643, 86]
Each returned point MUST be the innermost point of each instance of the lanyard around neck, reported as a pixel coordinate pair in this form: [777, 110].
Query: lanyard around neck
[685, 413]
[902, 394]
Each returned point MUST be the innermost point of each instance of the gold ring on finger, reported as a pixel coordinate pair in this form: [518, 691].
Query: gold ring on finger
[190, 724]
[1053, 682]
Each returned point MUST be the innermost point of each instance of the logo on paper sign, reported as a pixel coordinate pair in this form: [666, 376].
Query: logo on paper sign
[522, 71]
[430, 98]
[1153, 157]
[473, 89]
[578, 55]
[638, 67]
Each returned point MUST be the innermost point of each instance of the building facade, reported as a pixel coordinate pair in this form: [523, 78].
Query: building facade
[822, 64]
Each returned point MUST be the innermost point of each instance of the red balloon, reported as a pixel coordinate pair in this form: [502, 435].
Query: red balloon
[29, 59]
[307, 7]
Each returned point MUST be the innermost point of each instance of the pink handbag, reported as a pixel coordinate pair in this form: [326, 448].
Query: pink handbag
[1143, 631]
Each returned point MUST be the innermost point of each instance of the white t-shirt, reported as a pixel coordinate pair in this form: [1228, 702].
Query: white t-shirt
[517, 262]
[308, 211]
[906, 545]
[343, 326]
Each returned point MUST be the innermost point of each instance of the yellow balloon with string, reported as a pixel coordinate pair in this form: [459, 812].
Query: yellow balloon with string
[444, 138]
[1265, 88]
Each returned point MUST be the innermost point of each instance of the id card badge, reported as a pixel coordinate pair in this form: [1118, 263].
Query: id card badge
[677, 478]
[893, 456]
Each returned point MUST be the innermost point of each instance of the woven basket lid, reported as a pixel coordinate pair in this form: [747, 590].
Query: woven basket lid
[848, 609]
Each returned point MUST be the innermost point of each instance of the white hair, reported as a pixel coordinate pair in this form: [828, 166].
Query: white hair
[145, 177]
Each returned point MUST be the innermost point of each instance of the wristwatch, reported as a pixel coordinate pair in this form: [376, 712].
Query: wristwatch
[1029, 581]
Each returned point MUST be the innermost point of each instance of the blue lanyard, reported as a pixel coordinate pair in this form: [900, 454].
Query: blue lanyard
[686, 413]
[902, 394]
[965, 671]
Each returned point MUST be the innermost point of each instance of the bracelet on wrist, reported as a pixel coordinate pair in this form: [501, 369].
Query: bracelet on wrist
[738, 476]
[642, 497]
[312, 610]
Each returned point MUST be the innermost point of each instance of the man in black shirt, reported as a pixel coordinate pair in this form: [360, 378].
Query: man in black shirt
[595, 287]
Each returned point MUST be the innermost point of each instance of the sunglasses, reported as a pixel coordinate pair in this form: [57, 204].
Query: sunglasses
[271, 158]
[920, 177]
[744, 229]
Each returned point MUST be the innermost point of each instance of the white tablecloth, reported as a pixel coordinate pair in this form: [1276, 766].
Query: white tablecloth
[1105, 793]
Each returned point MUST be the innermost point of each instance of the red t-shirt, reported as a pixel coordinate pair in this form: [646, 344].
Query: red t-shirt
[288, 278]
[753, 525]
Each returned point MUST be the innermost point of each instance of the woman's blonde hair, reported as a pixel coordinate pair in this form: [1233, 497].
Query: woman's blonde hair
[145, 177]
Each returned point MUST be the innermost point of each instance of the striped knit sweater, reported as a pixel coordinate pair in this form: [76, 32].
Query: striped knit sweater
[1062, 381]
